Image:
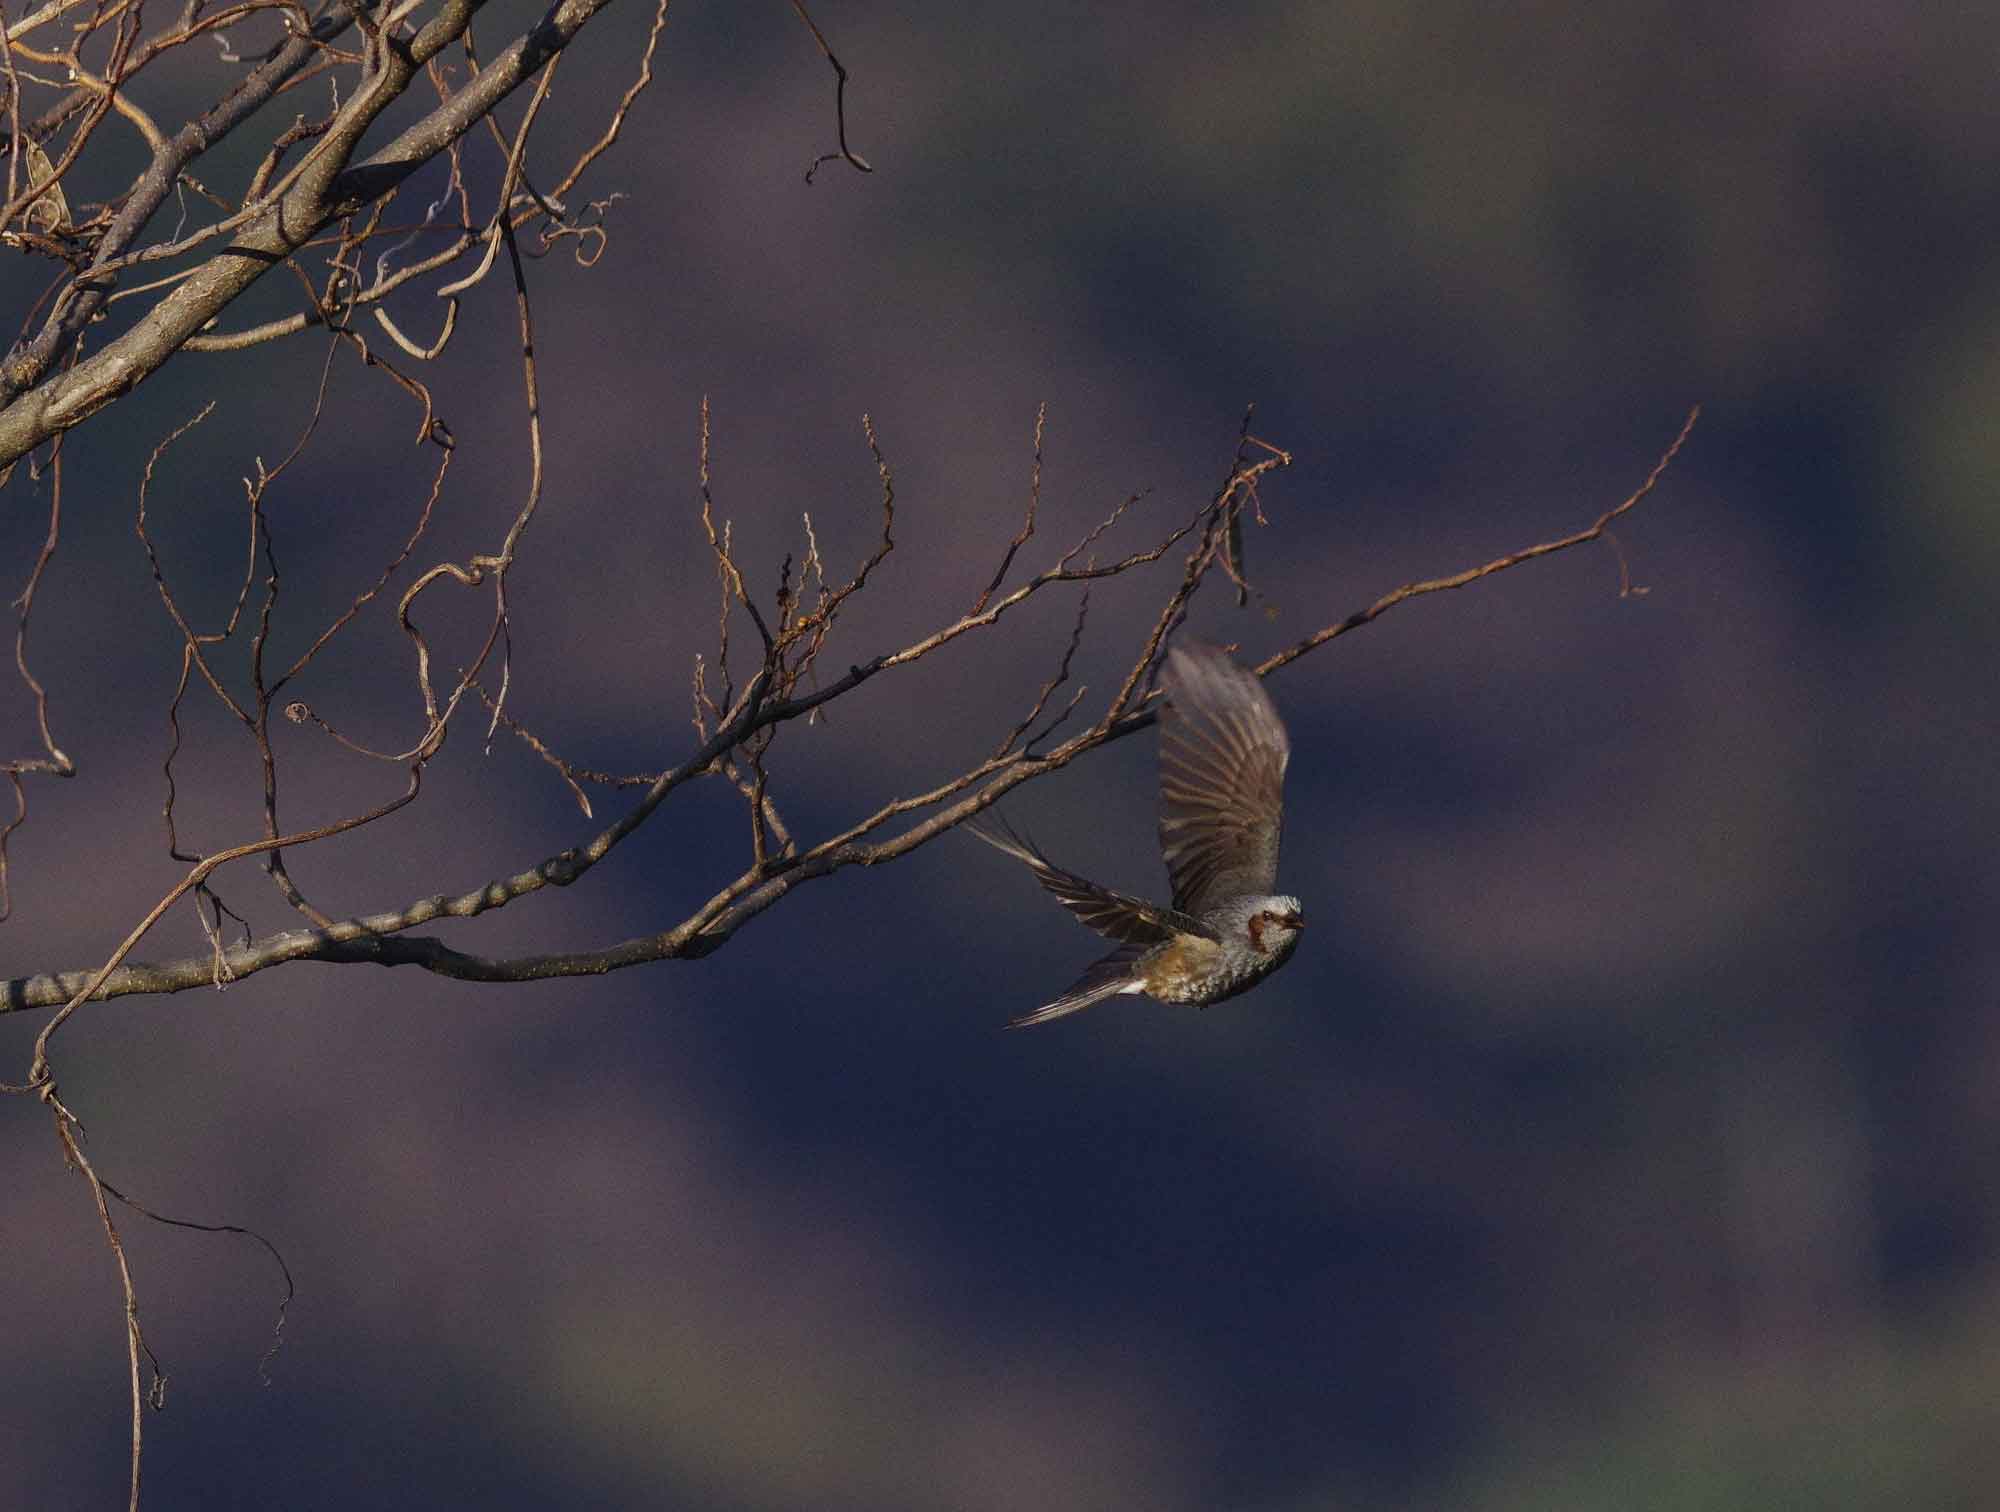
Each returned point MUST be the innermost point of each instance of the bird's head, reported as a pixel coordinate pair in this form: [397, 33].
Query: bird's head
[1274, 924]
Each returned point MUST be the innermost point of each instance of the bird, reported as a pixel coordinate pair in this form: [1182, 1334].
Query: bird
[1223, 752]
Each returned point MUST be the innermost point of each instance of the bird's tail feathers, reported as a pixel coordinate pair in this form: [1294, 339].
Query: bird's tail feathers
[1106, 978]
[1003, 837]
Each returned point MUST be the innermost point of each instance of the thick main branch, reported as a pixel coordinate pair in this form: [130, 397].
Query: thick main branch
[330, 187]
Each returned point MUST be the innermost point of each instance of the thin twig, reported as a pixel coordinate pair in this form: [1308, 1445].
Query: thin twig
[1408, 591]
[846, 154]
[1027, 521]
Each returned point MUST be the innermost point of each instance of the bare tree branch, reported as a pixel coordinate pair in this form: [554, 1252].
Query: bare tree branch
[321, 189]
[846, 154]
[381, 938]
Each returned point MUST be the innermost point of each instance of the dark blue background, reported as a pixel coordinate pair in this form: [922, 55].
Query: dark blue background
[1620, 1134]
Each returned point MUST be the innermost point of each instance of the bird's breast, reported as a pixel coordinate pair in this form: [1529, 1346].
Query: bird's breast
[1193, 969]
[1178, 971]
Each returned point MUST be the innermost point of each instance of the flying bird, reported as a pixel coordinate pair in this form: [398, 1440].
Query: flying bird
[1223, 751]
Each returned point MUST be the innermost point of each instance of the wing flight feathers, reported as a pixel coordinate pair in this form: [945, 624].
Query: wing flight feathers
[1128, 920]
[1223, 752]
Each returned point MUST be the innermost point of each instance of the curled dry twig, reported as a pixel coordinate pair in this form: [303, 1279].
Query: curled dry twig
[846, 154]
[312, 213]
[52, 761]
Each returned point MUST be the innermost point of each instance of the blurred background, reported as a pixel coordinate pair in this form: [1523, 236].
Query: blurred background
[1622, 1133]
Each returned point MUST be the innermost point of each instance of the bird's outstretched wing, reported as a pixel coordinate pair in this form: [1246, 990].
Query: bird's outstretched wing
[1105, 978]
[1131, 921]
[1223, 751]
